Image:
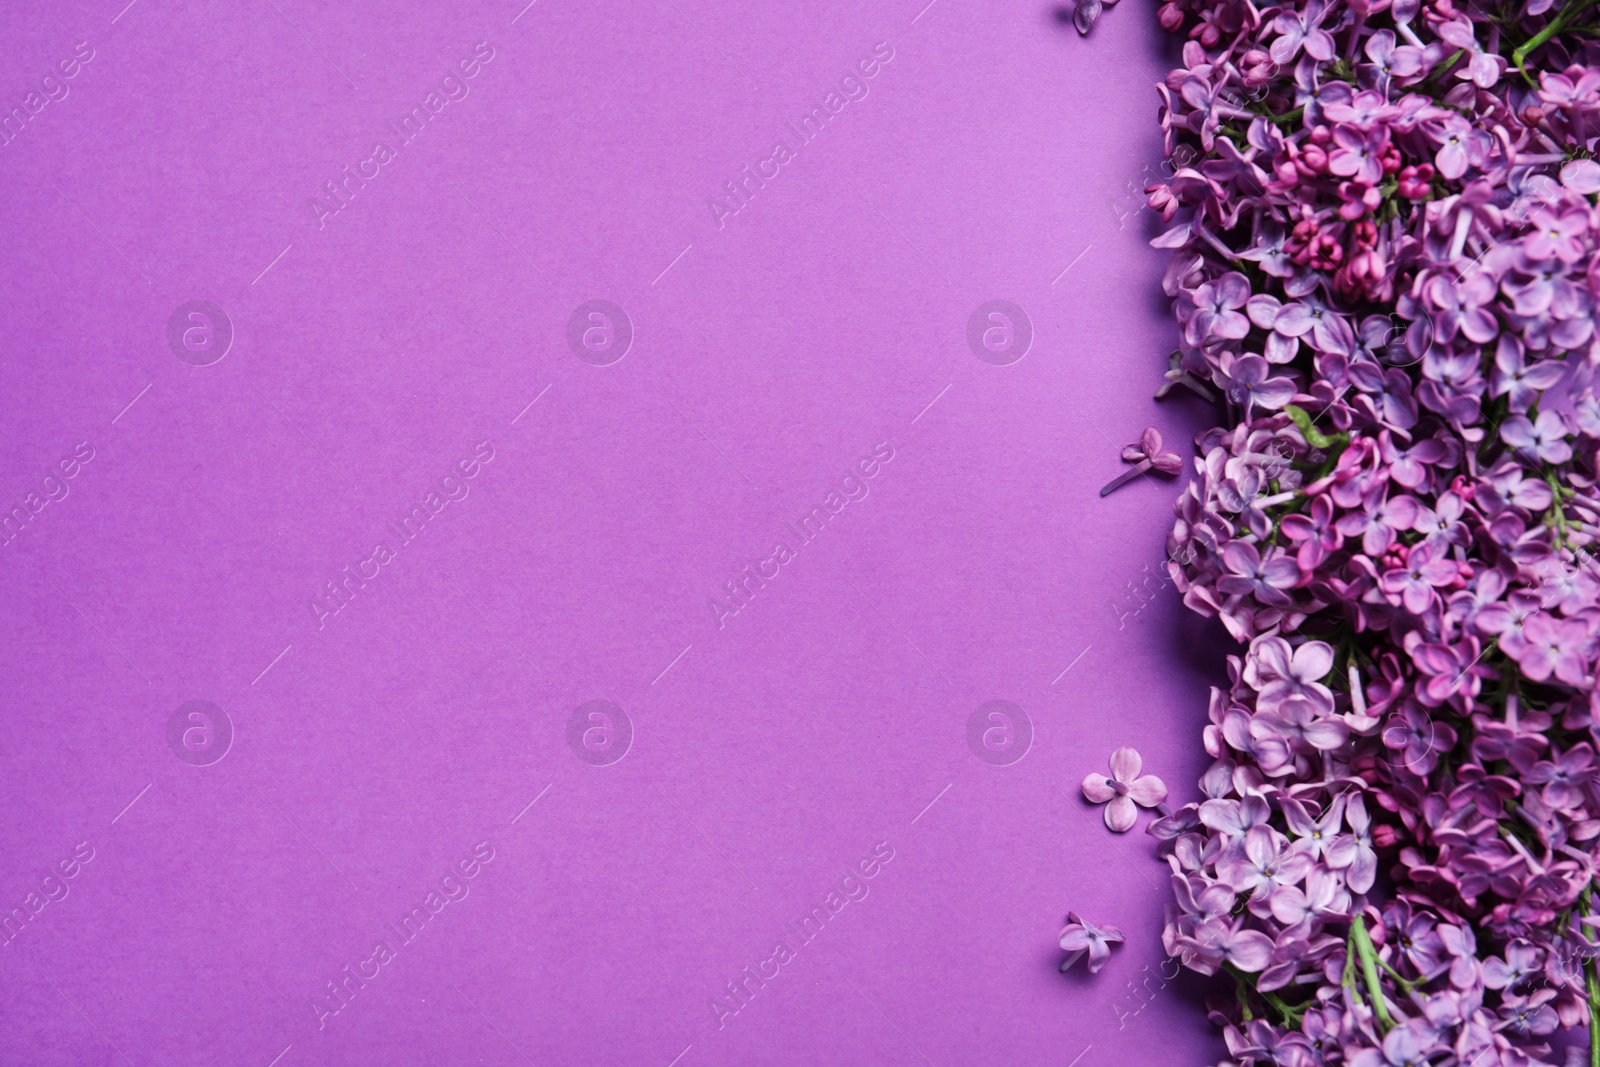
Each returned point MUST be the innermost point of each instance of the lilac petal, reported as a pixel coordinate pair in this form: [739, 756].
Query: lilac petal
[1097, 788]
[1084, 15]
[1364, 872]
[1327, 735]
[1582, 176]
[1168, 463]
[1125, 764]
[1121, 814]
[1342, 852]
[1273, 393]
[1147, 791]
[1313, 660]
[1281, 572]
[1250, 951]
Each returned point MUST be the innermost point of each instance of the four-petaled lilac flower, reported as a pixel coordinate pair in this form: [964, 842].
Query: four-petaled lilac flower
[1080, 938]
[1464, 306]
[1404, 1046]
[1560, 236]
[1514, 378]
[1250, 575]
[1413, 583]
[1541, 440]
[1302, 30]
[1564, 777]
[1124, 789]
[1282, 672]
[1555, 647]
[1250, 383]
[1216, 310]
[1360, 153]
[1267, 862]
[1353, 852]
[1522, 962]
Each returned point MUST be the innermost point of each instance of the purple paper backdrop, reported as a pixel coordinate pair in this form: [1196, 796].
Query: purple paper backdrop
[415, 335]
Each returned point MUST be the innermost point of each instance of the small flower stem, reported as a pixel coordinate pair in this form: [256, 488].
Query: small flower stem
[1198, 388]
[1125, 477]
[1290, 1016]
[1405, 984]
[1591, 982]
[1369, 969]
[1242, 991]
[1554, 27]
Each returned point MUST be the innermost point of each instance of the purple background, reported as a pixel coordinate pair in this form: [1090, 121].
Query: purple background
[993, 157]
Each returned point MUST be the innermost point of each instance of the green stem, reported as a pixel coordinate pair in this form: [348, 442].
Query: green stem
[1289, 1015]
[1591, 982]
[1369, 969]
[1558, 511]
[1545, 34]
[1405, 984]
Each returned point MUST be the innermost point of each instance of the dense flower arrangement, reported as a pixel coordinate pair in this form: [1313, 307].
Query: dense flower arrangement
[1384, 240]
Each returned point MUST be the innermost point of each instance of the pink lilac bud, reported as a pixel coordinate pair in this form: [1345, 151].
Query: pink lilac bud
[1413, 182]
[1326, 253]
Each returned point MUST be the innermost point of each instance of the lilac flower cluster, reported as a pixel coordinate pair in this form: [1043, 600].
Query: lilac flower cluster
[1386, 257]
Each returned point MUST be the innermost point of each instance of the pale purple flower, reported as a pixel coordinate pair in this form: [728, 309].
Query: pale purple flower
[1217, 941]
[1353, 852]
[1324, 897]
[1555, 647]
[1250, 575]
[1314, 834]
[1514, 377]
[1564, 777]
[1521, 963]
[1124, 789]
[1542, 440]
[1280, 672]
[1559, 236]
[1359, 154]
[1080, 938]
[1267, 862]
[1463, 305]
[1413, 584]
[1216, 310]
[1405, 1046]
[1302, 30]
[1249, 382]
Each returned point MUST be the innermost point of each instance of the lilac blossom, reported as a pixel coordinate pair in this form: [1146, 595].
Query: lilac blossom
[1124, 789]
[1385, 266]
[1080, 938]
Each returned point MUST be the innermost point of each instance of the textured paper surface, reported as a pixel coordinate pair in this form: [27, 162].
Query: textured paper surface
[432, 335]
